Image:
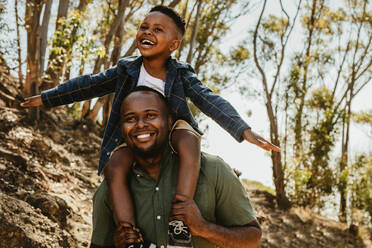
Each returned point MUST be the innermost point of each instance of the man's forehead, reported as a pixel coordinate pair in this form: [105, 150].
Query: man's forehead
[143, 100]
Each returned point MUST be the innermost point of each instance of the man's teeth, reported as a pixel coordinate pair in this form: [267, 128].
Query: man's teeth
[143, 136]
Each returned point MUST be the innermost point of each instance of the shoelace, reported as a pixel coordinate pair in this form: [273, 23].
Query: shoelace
[179, 227]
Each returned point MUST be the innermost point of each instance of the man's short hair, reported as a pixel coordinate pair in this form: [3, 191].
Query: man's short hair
[178, 20]
[145, 88]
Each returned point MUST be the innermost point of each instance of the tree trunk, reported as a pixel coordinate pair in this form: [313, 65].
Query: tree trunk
[194, 32]
[55, 64]
[20, 74]
[32, 20]
[114, 26]
[44, 34]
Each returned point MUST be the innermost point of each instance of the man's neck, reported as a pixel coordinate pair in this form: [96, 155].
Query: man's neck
[150, 165]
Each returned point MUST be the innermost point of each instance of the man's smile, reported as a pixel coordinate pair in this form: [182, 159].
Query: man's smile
[143, 136]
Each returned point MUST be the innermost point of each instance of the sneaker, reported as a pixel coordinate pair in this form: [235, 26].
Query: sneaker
[179, 235]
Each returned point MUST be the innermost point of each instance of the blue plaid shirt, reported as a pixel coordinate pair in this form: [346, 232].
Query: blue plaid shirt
[181, 82]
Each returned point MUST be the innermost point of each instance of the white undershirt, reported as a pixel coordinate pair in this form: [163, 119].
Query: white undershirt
[146, 79]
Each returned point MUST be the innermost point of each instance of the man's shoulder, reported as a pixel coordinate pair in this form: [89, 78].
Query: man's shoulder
[214, 166]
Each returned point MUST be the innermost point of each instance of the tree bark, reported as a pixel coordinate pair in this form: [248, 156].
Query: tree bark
[278, 174]
[118, 18]
[194, 32]
[32, 20]
[55, 65]
[20, 74]
[44, 34]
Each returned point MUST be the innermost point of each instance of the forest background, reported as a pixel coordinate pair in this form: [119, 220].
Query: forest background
[298, 70]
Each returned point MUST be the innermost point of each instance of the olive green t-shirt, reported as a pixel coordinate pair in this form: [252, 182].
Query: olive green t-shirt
[220, 197]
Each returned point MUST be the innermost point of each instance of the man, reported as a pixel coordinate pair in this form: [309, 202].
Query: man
[221, 214]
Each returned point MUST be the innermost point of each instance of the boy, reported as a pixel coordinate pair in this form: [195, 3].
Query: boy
[158, 36]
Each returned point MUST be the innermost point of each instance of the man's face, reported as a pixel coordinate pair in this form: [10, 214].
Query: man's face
[157, 36]
[145, 122]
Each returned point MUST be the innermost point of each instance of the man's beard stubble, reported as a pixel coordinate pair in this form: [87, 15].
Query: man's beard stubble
[152, 151]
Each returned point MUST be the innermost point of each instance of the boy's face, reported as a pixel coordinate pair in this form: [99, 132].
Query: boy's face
[157, 36]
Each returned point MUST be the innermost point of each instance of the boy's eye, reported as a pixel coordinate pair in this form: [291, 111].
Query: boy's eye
[151, 115]
[158, 30]
[143, 27]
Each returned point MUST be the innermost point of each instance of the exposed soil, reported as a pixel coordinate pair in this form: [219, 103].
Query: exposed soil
[48, 174]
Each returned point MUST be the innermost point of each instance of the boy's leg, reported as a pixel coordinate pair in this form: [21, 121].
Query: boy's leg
[186, 142]
[116, 174]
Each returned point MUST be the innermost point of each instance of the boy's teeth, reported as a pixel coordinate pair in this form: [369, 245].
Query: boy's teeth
[142, 136]
[147, 42]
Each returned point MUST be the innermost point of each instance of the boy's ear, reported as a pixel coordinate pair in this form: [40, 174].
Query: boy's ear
[174, 45]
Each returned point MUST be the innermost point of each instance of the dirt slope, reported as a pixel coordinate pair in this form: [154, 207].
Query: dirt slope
[48, 177]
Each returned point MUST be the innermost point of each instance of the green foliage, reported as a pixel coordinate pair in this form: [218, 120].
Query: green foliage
[321, 99]
[361, 188]
[274, 24]
[364, 117]
[75, 110]
[239, 54]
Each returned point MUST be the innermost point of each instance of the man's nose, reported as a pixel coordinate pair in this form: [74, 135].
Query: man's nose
[141, 122]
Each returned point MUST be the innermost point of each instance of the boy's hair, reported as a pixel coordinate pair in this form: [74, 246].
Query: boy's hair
[180, 23]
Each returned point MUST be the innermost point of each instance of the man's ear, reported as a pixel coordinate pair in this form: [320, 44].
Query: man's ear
[170, 122]
[174, 45]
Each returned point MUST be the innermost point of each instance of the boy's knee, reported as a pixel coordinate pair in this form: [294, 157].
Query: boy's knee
[119, 163]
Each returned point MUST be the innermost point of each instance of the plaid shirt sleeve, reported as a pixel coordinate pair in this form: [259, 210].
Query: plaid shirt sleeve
[215, 106]
[81, 88]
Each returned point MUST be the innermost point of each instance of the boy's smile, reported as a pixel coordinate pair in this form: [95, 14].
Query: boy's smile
[157, 36]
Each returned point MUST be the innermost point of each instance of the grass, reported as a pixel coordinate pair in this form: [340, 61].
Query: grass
[257, 185]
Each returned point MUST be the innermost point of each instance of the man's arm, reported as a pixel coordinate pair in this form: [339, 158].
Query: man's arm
[247, 236]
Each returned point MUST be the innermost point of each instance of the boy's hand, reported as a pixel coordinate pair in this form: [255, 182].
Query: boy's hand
[32, 101]
[126, 234]
[256, 139]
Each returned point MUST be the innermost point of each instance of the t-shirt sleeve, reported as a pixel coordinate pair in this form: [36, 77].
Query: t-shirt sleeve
[233, 207]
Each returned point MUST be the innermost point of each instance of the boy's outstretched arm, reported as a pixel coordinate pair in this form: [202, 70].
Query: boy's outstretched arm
[256, 139]
[32, 101]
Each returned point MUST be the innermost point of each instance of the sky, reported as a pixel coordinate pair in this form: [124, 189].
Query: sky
[255, 163]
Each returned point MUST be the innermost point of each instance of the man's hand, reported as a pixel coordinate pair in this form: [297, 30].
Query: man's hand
[32, 101]
[185, 209]
[256, 139]
[125, 234]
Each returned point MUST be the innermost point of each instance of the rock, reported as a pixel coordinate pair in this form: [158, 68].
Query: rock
[39, 145]
[354, 230]
[22, 226]
[56, 137]
[53, 207]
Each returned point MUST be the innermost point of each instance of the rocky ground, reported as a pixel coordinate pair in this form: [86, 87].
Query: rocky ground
[48, 177]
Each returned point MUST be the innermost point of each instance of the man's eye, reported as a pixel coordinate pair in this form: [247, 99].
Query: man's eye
[143, 27]
[130, 119]
[158, 30]
[151, 116]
